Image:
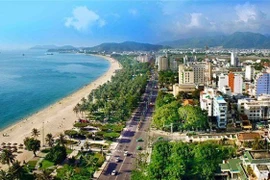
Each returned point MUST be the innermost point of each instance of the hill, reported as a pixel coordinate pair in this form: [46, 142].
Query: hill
[54, 48]
[125, 46]
[235, 40]
[44, 47]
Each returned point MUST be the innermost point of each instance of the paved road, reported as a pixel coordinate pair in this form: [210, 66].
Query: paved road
[132, 132]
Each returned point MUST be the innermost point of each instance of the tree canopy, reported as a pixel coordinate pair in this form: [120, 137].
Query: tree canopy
[178, 160]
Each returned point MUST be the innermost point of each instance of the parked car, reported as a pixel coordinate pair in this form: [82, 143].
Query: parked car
[139, 148]
[117, 159]
[126, 153]
[113, 173]
[139, 140]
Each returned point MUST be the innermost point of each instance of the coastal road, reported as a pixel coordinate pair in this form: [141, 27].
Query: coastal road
[130, 134]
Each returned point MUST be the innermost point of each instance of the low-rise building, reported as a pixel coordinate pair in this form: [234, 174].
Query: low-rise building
[256, 109]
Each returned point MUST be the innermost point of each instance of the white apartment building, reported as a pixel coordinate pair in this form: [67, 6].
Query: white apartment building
[249, 72]
[238, 84]
[222, 81]
[186, 75]
[206, 100]
[255, 109]
[220, 111]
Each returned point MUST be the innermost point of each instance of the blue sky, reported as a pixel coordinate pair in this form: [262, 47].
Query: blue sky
[87, 23]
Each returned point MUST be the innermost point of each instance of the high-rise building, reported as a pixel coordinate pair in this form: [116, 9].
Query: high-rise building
[238, 84]
[234, 59]
[231, 81]
[186, 75]
[249, 73]
[162, 63]
[235, 83]
[262, 84]
[220, 111]
[198, 70]
[222, 81]
[173, 65]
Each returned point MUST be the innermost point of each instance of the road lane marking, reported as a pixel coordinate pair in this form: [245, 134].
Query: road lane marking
[121, 167]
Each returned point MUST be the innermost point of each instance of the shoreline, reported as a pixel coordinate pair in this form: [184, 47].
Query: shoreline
[55, 118]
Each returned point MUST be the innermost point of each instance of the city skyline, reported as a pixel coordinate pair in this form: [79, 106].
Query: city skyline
[85, 23]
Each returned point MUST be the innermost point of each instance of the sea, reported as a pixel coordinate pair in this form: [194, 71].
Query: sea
[32, 80]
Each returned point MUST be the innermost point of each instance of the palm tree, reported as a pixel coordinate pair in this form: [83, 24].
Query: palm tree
[7, 157]
[62, 140]
[16, 170]
[69, 174]
[5, 175]
[35, 133]
[76, 110]
[49, 139]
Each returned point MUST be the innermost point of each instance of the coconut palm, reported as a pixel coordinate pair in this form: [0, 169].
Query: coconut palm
[62, 140]
[35, 133]
[5, 175]
[16, 170]
[7, 157]
[49, 139]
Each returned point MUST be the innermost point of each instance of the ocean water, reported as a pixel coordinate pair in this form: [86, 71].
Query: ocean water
[35, 80]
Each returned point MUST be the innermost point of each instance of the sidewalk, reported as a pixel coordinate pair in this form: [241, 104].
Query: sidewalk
[100, 170]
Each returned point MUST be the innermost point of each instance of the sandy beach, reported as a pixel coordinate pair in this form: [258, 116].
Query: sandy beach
[55, 118]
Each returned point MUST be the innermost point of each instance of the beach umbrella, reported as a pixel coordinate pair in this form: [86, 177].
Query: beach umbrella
[3, 143]
[15, 144]
[9, 143]
[21, 144]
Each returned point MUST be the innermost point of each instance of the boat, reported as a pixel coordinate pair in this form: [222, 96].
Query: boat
[49, 53]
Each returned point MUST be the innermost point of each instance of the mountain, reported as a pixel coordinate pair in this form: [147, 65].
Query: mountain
[235, 40]
[52, 48]
[126, 46]
[44, 47]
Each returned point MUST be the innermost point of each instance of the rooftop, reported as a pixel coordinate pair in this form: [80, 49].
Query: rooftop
[248, 136]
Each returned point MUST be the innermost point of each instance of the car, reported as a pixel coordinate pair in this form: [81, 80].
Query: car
[113, 173]
[126, 153]
[139, 140]
[117, 159]
[139, 148]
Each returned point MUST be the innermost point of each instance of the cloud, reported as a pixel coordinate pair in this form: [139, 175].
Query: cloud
[249, 12]
[204, 20]
[83, 18]
[133, 12]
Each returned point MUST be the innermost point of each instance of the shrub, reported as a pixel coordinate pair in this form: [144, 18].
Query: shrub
[57, 154]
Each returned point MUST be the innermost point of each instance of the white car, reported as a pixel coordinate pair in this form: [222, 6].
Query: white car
[117, 159]
[113, 173]
[126, 153]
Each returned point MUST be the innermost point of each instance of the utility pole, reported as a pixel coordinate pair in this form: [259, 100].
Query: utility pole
[43, 139]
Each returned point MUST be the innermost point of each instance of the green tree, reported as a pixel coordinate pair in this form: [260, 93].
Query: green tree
[5, 175]
[193, 117]
[62, 140]
[32, 144]
[17, 171]
[35, 133]
[7, 157]
[166, 115]
[57, 154]
[49, 140]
